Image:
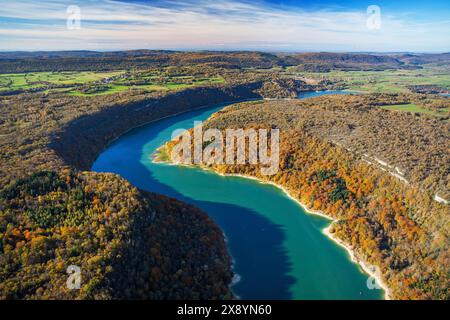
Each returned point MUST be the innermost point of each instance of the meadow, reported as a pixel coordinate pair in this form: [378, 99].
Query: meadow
[411, 107]
[387, 81]
[26, 81]
[161, 82]
[87, 83]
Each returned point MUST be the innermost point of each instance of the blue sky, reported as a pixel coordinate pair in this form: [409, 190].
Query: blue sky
[271, 25]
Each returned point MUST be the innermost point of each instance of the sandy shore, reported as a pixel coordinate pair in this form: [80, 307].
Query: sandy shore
[365, 266]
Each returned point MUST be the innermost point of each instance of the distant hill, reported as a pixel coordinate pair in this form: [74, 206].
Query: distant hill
[139, 59]
[425, 58]
[12, 62]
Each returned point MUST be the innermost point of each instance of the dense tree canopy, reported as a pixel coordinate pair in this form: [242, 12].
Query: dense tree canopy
[127, 243]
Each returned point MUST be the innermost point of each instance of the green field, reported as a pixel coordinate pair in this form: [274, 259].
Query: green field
[73, 83]
[153, 85]
[26, 81]
[414, 108]
[112, 89]
[388, 81]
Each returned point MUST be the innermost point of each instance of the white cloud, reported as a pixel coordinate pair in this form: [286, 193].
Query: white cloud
[220, 24]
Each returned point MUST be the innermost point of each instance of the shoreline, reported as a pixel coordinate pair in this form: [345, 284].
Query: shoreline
[364, 265]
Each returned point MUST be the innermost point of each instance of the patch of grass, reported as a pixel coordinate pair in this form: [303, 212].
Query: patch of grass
[120, 85]
[71, 81]
[26, 81]
[110, 90]
[210, 80]
[176, 86]
[414, 108]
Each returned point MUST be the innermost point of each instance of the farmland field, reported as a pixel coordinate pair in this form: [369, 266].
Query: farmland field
[387, 81]
[26, 81]
[416, 109]
[99, 83]
[151, 84]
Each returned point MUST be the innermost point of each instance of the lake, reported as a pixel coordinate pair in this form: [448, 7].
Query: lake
[312, 94]
[279, 250]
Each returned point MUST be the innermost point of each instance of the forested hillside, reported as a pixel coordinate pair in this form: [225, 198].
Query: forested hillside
[412, 146]
[128, 244]
[142, 59]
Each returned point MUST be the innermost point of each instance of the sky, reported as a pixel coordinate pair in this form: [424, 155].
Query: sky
[269, 25]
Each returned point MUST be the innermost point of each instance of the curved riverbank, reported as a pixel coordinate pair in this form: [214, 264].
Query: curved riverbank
[372, 271]
[279, 253]
[365, 266]
[395, 227]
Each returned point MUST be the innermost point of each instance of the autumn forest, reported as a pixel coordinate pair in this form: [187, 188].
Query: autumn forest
[375, 159]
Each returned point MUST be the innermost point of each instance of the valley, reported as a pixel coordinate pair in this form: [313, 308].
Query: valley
[364, 141]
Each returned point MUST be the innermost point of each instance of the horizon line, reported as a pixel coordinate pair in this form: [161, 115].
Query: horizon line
[229, 51]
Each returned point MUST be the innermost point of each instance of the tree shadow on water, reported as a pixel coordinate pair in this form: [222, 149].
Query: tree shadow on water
[255, 243]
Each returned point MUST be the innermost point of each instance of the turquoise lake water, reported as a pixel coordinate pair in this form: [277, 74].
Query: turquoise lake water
[312, 94]
[279, 251]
